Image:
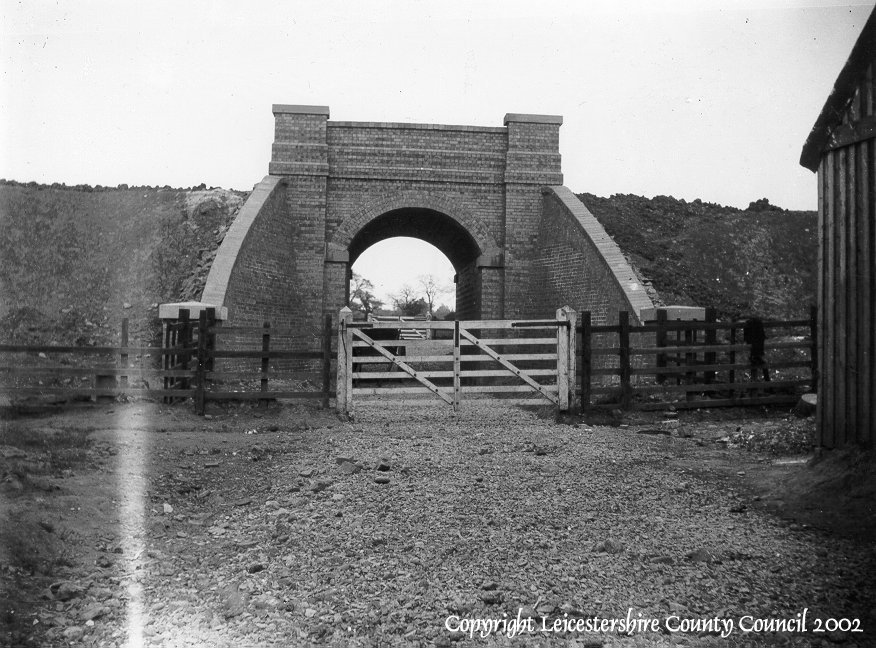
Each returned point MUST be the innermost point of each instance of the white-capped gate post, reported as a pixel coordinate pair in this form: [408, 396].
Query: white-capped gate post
[345, 362]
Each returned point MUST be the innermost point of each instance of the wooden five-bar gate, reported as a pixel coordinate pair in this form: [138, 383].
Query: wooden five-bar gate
[518, 361]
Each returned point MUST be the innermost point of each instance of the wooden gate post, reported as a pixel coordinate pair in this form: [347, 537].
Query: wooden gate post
[566, 337]
[345, 362]
[563, 358]
[457, 368]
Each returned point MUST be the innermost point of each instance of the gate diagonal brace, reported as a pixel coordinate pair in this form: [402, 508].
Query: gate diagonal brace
[403, 366]
[510, 367]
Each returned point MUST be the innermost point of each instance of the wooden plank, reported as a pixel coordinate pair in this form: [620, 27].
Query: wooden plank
[508, 389]
[826, 391]
[538, 357]
[683, 369]
[471, 373]
[852, 302]
[444, 394]
[869, 436]
[842, 317]
[131, 372]
[258, 354]
[755, 385]
[700, 348]
[863, 295]
[260, 395]
[504, 361]
[457, 368]
[707, 403]
[99, 391]
[404, 367]
[852, 133]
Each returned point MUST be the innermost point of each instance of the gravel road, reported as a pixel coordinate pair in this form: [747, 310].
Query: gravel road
[415, 526]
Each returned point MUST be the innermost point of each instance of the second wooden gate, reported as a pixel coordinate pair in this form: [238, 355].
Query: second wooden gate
[517, 361]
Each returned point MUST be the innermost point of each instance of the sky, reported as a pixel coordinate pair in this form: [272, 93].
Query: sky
[693, 99]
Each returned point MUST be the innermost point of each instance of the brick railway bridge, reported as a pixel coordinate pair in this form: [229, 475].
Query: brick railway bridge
[490, 198]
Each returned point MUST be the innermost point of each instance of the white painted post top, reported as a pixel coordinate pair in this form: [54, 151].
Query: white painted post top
[171, 311]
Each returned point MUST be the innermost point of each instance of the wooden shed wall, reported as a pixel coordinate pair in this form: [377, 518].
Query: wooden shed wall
[847, 277]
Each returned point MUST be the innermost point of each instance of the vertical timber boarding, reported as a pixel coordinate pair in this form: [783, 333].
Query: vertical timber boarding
[847, 275]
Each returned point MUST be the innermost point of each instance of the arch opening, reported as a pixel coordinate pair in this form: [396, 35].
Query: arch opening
[440, 231]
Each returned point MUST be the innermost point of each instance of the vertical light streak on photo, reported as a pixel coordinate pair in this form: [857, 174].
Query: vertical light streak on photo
[132, 437]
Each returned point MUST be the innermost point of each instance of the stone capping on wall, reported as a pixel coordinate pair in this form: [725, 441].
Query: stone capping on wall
[223, 265]
[296, 109]
[609, 251]
[533, 119]
[412, 126]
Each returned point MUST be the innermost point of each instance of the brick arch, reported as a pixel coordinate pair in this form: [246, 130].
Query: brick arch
[345, 233]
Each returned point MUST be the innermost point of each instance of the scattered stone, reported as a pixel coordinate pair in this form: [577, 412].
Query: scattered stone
[350, 468]
[663, 560]
[345, 458]
[266, 602]
[255, 568]
[383, 465]
[66, 590]
[608, 546]
[307, 472]
[491, 598]
[103, 562]
[168, 509]
[489, 586]
[233, 602]
[381, 479]
[242, 502]
[318, 487]
[211, 464]
[540, 451]
[94, 611]
[337, 497]
[73, 633]
[702, 555]
[739, 508]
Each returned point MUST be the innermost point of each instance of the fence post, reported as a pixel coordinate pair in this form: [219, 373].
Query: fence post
[624, 343]
[202, 360]
[710, 357]
[661, 342]
[732, 357]
[457, 367]
[211, 338]
[326, 360]
[123, 360]
[345, 362]
[586, 358]
[813, 353]
[183, 340]
[266, 347]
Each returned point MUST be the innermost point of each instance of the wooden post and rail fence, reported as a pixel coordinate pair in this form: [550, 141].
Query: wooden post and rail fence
[568, 362]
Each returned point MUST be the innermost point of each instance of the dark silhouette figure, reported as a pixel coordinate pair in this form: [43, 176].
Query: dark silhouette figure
[754, 334]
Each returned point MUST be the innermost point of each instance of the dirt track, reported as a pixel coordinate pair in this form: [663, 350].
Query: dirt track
[244, 529]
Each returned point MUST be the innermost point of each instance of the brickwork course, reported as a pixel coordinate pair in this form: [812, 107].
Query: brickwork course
[490, 198]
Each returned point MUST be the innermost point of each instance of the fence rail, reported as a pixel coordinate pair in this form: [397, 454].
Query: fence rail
[186, 366]
[690, 364]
